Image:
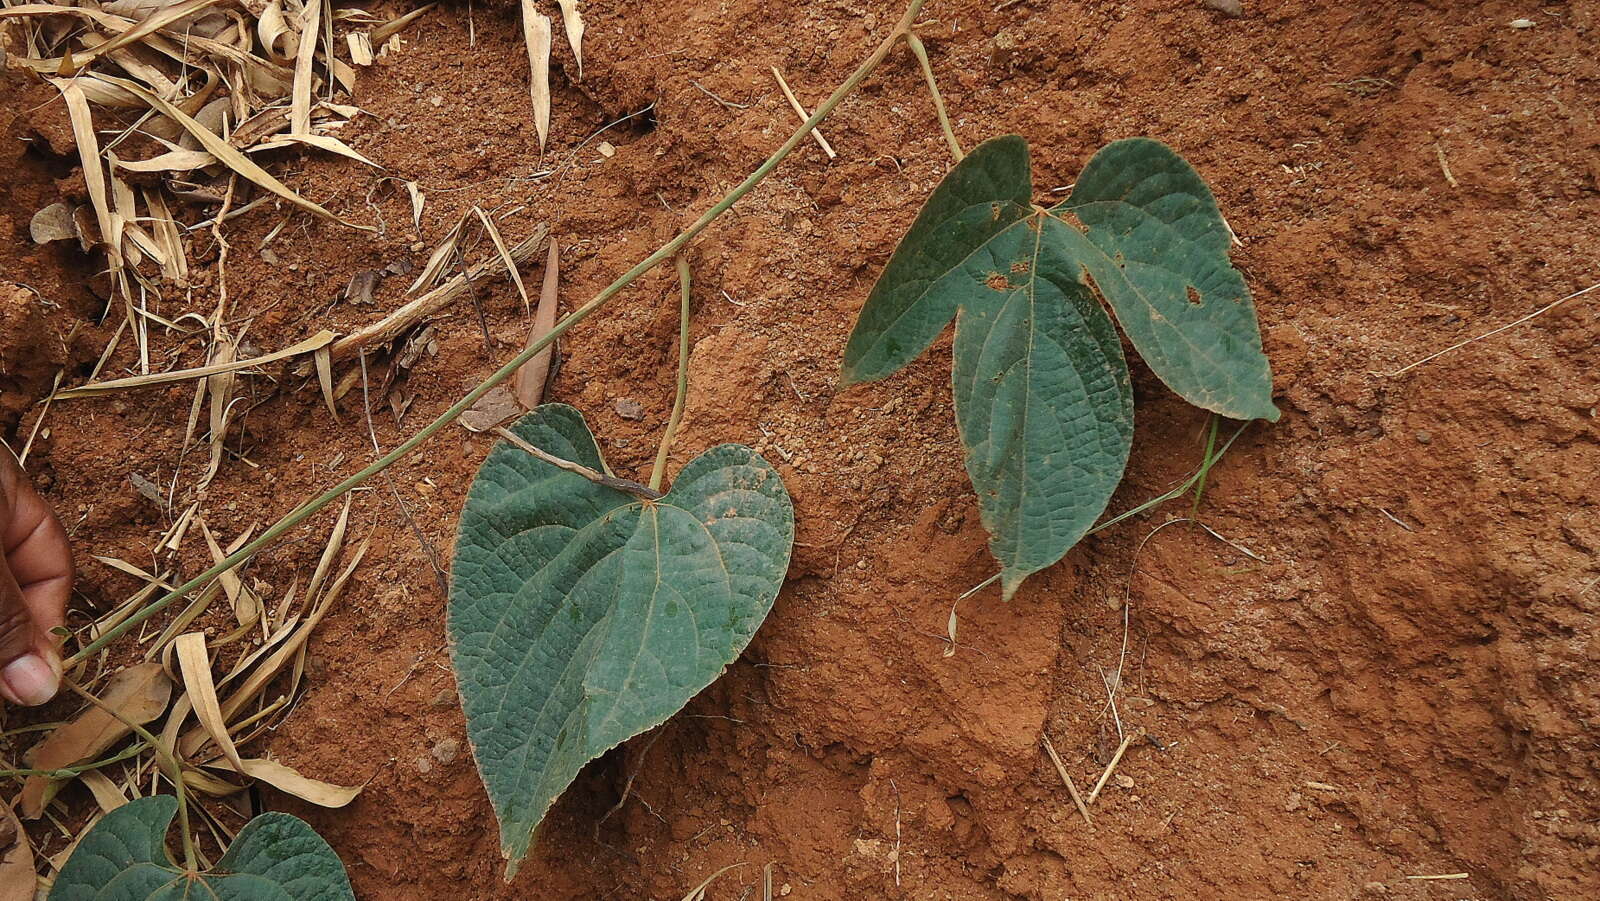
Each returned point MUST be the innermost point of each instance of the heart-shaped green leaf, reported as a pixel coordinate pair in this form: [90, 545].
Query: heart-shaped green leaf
[582, 615]
[1157, 248]
[275, 857]
[1041, 388]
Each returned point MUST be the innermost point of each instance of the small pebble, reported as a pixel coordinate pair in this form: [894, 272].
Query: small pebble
[445, 750]
[1424, 438]
[1227, 7]
[628, 408]
[1522, 23]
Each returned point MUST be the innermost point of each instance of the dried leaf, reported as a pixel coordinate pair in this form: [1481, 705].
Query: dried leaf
[505, 255]
[286, 778]
[319, 340]
[53, 223]
[18, 878]
[572, 21]
[493, 408]
[227, 153]
[139, 693]
[530, 379]
[195, 664]
[157, 21]
[272, 29]
[536, 34]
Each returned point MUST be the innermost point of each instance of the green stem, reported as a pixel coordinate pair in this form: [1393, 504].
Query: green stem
[666, 251]
[168, 763]
[1195, 478]
[79, 769]
[660, 468]
[921, 53]
[1205, 467]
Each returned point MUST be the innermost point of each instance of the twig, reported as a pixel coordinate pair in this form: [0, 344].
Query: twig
[402, 320]
[713, 95]
[599, 478]
[794, 103]
[1110, 767]
[1072, 788]
[660, 469]
[1539, 312]
[921, 53]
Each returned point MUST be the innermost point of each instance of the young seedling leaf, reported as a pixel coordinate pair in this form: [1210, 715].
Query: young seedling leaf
[274, 858]
[582, 615]
[1042, 393]
[1041, 388]
[1157, 248]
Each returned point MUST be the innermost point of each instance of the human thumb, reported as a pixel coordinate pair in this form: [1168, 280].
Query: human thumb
[30, 668]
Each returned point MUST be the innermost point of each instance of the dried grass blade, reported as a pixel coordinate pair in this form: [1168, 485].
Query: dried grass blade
[394, 26]
[434, 268]
[324, 362]
[300, 95]
[171, 161]
[417, 199]
[315, 342]
[139, 693]
[536, 34]
[330, 144]
[246, 606]
[183, 620]
[166, 233]
[93, 176]
[698, 893]
[572, 21]
[330, 553]
[286, 778]
[106, 794]
[530, 380]
[194, 662]
[505, 255]
[360, 48]
[155, 22]
[227, 153]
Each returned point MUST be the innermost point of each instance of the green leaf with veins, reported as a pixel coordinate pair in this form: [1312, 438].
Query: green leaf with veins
[1155, 245]
[581, 615]
[275, 857]
[1041, 387]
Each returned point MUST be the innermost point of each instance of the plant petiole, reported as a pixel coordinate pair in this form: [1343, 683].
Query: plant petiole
[660, 468]
[921, 53]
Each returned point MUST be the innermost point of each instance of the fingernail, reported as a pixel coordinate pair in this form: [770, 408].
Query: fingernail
[31, 679]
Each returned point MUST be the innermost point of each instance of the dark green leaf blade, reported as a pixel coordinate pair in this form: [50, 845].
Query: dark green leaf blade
[983, 195]
[1042, 398]
[581, 616]
[1157, 248]
[276, 857]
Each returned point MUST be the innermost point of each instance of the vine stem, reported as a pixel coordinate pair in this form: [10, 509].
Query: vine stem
[666, 251]
[168, 763]
[921, 53]
[660, 469]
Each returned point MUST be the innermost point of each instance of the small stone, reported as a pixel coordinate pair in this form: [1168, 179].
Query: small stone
[606, 150]
[445, 750]
[1232, 8]
[1124, 781]
[1424, 437]
[1294, 802]
[785, 889]
[1522, 23]
[1375, 888]
[424, 765]
[628, 408]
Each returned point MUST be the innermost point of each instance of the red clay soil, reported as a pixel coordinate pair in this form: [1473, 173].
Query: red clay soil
[1386, 670]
